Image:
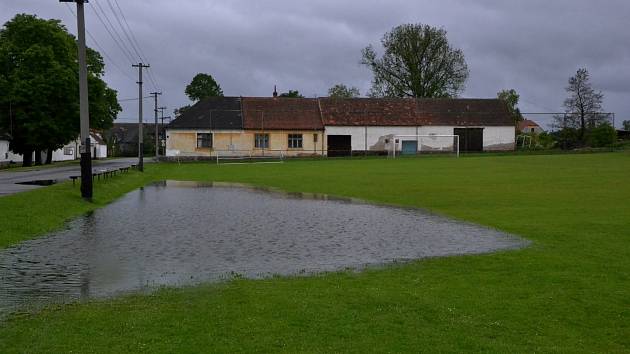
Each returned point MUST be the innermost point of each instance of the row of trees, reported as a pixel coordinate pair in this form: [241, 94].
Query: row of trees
[39, 86]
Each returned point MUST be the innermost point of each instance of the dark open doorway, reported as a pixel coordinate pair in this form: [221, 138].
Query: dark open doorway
[339, 145]
[470, 139]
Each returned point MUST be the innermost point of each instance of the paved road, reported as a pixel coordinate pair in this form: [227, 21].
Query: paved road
[8, 178]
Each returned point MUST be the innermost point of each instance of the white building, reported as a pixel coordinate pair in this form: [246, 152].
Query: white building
[68, 152]
[416, 125]
[339, 127]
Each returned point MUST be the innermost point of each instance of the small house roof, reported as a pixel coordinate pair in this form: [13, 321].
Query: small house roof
[211, 113]
[525, 123]
[281, 113]
[128, 132]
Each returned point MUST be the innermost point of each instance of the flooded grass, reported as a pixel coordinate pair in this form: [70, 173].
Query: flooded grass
[181, 233]
[568, 292]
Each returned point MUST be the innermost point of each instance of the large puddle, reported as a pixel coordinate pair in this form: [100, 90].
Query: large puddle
[182, 233]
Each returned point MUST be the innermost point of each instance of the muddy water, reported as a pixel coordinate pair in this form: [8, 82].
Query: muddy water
[181, 233]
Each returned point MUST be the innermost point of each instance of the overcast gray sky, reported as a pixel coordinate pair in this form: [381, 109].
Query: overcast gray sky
[533, 46]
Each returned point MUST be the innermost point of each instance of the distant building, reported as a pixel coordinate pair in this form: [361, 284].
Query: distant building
[70, 151]
[122, 138]
[527, 126]
[262, 126]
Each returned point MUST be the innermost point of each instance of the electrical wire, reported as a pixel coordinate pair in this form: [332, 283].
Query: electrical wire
[119, 42]
[101, 49]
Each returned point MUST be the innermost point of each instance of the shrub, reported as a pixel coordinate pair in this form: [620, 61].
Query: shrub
[567, 138]
[602, 136]
[545, 141]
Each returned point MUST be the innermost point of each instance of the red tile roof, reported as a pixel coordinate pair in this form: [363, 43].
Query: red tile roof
[527, 123]
[411, 112]
[281, 113]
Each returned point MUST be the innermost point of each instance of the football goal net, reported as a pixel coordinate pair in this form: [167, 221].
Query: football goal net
[248, 157]
[401, 145]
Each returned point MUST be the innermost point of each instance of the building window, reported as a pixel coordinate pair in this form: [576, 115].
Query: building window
[204, 140]
[261, 141]
[295, 141]
[532, 130]
[314, 138]
[68, 151]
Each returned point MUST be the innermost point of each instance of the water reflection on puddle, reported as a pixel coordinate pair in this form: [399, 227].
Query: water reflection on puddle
[182, 233]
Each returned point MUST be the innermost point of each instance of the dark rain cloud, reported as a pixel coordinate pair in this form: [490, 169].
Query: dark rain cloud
[249, 46]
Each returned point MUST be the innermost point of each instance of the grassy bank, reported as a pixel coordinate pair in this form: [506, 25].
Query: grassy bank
[570, 291]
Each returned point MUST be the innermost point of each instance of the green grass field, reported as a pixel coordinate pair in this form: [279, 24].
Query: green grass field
[568, 292]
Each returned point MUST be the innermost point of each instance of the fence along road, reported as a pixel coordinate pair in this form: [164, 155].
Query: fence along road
[9, 178]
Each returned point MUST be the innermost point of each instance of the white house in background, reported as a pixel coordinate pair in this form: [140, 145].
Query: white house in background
[6, 155]
[527, 126]
[68, 152]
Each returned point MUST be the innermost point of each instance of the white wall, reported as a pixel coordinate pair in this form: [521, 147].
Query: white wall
[498, 138]
[70, 148]
[7, 155]
[376, 136]
[494, 138]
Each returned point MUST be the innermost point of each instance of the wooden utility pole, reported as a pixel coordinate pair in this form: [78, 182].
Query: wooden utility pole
[85, 148]
[140, 134]
[155, 110]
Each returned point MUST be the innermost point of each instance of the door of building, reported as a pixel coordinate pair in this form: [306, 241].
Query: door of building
[409, 147]
[339, 145]
[470, 139]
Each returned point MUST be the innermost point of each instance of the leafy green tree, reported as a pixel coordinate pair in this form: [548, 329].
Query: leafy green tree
[510, 97]
[292, 94]
[602, 136]
[418, 62]
[626, 125]
[203, 86]
[343, 91]
[545, 140]
[39, 79]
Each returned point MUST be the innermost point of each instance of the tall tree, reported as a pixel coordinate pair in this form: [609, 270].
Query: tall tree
[343, 91]
[510, 97]
[583, 107]
[292, 94]
[39, 78]
[418, 62]
[626, 125]
[203, 86]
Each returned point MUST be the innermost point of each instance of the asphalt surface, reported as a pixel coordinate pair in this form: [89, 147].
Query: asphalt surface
[9, 179]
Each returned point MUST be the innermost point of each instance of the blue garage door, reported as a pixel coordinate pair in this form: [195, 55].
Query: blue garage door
[409, 147]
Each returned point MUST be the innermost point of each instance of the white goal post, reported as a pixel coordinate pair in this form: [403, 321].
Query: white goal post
[449, 142]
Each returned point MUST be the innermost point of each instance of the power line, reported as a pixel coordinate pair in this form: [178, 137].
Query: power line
[101, 49]
[124, 31]
[133, 99]
[131, 38]
[119, 42]
[129, 28]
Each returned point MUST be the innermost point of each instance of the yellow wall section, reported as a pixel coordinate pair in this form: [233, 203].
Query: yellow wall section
[242, 143]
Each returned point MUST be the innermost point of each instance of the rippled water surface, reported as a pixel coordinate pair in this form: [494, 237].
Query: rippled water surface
[181, 233]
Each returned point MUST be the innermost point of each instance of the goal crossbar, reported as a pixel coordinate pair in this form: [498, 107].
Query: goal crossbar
[395, 137]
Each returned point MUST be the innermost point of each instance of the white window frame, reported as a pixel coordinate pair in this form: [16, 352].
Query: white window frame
[295, 141]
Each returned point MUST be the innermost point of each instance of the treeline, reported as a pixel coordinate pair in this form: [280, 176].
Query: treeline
[39, 87]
